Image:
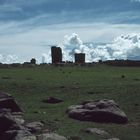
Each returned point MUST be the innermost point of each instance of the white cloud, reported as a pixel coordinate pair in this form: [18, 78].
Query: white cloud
[6, 59]
[123, 47]
[45, 58]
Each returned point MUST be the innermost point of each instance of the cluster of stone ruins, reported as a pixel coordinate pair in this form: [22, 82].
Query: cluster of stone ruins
[79, 58]
[56, 53]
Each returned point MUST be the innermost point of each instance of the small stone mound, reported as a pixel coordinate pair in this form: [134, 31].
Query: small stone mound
[98, 111]
[52, 100]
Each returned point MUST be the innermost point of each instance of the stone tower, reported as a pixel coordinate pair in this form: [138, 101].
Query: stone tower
[79, 58]
[56, 53]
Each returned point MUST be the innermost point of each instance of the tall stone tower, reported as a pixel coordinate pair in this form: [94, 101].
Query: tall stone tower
[56, 53]
[79, 58]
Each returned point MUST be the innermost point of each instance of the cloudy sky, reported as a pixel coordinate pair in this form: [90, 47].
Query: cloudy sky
[28, 26]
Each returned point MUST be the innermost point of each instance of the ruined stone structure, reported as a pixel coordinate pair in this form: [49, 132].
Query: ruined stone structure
[80, 58]
[56, 53]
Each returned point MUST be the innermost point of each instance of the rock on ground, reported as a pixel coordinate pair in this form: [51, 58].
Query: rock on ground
[98, 111]
[52, 100]
[97, 131]
[50, 136]
[17, 135]
[74, 138]
[11, 121]
[112, 139]
[34, 126]
[11, 129]
[7, 101]
[7, 121]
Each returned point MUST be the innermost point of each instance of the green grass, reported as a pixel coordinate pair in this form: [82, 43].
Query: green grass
[30, 86]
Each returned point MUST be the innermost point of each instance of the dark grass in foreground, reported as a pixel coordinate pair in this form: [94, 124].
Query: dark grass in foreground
[73, 85]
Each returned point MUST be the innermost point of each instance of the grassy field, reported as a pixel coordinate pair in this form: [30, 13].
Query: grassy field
[75, 84]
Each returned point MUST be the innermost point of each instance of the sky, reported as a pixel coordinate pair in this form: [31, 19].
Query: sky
[27, 27]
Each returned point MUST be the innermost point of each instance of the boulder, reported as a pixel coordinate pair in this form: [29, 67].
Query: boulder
[51, 136]
[52, 100]
[4, 95]
[11, 129]
[7, 101]
[11, 120]
[24, 135]
[6, 120]
[18, 116]
[98, 111]
[34, 126]
[17, 135]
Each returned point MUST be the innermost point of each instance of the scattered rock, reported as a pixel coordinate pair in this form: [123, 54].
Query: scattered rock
[4, 95]
[75, 87]
[91, 92]
[29, 79]
[6, 77]
[7, 101]
[123, 76]
[136, 104]
[62, 86]
[97, 131]
[11, 121]
[74, 138]
[76, 83]
[12, 124]
[18, 135]
[10, 129]
[94, 92]
[6, 120]
[136, 79]
[113, 139]
[32, 137]
[34, 126]
[18, 118]
[98, 111]
[52, 100]
[24, 135]
[46, 131]
[50, 136]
